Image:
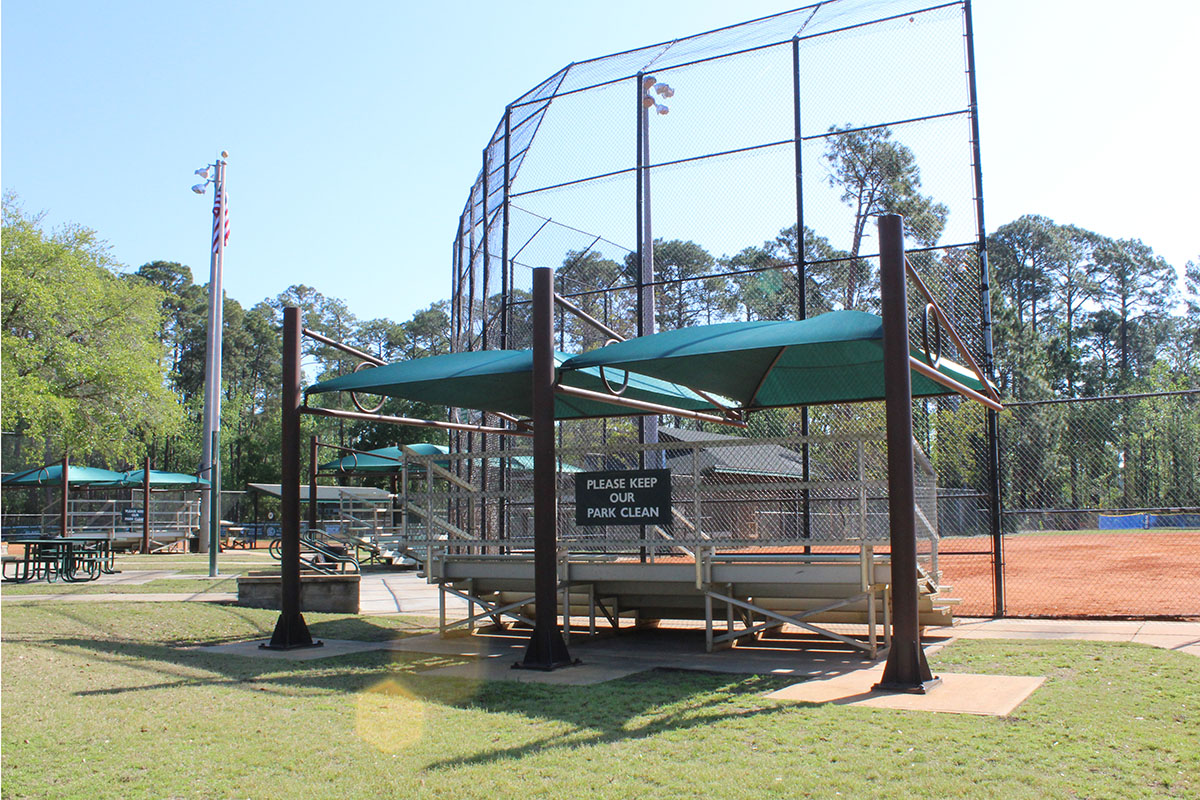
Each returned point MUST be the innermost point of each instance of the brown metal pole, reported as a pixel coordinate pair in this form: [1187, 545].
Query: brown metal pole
[546, 650]
[906, 669]
[66, 490]
[146, 507]
[290, 630]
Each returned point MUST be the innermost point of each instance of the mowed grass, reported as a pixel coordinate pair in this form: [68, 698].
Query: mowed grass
[105, 701]
[191, 574]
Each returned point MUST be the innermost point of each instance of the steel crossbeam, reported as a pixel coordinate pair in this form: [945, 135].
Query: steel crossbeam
[493, 610]
[777, 619]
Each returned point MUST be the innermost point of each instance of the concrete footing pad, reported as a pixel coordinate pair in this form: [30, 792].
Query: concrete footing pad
[329, 649]
[987, 695]
[610, 656]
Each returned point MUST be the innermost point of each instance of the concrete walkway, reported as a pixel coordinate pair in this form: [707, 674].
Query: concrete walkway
[1183, 637]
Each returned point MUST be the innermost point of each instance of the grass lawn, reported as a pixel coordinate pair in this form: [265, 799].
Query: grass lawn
[102, 701]
[192, 575]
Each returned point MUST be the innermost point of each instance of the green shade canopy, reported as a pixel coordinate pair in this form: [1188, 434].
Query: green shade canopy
[391, 459]
[525, 464]
[158, 479]
[501, 380]
[832, 358]
[76, 476]
[385, 459]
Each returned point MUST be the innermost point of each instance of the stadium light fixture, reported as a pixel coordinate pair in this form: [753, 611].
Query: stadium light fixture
[649, 84]
[200, 188]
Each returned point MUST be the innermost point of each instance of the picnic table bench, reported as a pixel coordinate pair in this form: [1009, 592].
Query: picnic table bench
[69, 558]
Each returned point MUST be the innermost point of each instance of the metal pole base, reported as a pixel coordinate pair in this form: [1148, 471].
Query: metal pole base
[547, 651]
[907, 671]
[291, 633]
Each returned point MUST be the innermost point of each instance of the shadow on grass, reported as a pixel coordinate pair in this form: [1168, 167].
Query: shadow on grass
[638, 706]
[634, 707]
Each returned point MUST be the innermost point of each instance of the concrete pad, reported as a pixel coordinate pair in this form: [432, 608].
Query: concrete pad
[986, 695]
[1181, 636]
[329, 649]
[1171, 626]
[616, 655]
[1187, 644]
[1082, 626]
[403, 593]
[1032, 635]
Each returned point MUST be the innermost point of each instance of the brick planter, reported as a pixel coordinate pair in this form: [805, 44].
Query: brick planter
[336, 594]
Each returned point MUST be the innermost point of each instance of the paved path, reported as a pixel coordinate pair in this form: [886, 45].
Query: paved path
[379, 593]
[1183, 637]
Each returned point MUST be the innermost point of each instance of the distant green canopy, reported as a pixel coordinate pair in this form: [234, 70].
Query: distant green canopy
[391, 460]
[525, 464]
[386, 459]
[502, 381]
[158, 479]
[51, 475]
[836, 357]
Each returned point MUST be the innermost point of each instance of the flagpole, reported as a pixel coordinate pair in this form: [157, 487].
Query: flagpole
[210, 458]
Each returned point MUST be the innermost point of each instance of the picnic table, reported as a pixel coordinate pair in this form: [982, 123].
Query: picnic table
[234, 536]
[69, 558]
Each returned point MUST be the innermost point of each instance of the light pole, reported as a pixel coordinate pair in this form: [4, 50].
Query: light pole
[647, 87]
[210, 457]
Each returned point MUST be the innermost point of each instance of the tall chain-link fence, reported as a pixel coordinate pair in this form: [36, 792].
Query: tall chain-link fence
[727, 492]
[735, 175]
[1102, 506]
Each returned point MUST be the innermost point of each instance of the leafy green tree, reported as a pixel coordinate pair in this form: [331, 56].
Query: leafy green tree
[428, 332]
[1023, 255]
[585, 279]
[381, 338]
[1076, 283]
[878, 175]
[1139, 283]
[79, 344]
[683, 296]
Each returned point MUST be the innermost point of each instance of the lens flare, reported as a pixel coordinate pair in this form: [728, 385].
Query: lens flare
[389, 716]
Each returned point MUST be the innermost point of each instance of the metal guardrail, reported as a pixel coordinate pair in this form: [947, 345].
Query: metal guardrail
[320, 552]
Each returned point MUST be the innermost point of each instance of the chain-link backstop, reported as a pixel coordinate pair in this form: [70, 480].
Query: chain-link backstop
[735, 175]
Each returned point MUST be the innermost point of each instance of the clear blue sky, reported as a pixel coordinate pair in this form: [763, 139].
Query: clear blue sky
[355, 129]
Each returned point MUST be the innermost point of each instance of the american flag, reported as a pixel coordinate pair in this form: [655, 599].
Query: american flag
[217, 203]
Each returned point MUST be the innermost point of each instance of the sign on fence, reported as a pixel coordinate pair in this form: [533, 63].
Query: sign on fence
[133, 515]
[623, 497]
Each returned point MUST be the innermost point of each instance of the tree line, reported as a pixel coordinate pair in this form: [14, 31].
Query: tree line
[108, 364]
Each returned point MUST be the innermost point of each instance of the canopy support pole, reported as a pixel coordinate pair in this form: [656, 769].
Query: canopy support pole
[906, 669]
[64, 510]
[146, 509]
[290, 630]
[547, 650]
